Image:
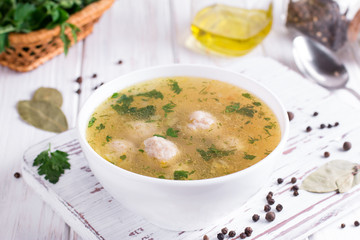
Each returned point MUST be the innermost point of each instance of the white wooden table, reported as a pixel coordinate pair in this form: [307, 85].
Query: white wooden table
[141, 34]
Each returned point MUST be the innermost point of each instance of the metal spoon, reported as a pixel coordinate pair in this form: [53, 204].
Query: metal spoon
[320, 64]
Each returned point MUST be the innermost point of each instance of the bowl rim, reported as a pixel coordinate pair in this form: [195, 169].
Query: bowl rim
[188, 183]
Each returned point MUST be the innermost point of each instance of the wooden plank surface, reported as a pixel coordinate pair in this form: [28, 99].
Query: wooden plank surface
[141, 33]
[91, 211]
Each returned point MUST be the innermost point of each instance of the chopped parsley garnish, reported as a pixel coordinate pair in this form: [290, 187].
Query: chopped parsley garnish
[100, 127]
[168, 108]
[141, 150]
[115, 95]
[232, 108]
[123, 107]
[91, 122]
[247, 122]
[175, 86]
[108, 138]
[252, 140]
[267, 119]
[257, 103]
[248, 156]
[172, 133]
[152, 94]
[247, 110]
[161, 176]
[52, 164]
[181, 174]
[158, 135]
[213, 152]
[247, 95]
[123, 157]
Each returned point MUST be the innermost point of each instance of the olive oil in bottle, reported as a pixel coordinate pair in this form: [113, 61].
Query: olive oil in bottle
[230, 30]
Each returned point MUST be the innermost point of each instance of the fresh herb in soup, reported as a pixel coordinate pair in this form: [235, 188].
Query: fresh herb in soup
[183, 128]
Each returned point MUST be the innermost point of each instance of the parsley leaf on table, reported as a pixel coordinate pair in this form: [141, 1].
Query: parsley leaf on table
[52, 164]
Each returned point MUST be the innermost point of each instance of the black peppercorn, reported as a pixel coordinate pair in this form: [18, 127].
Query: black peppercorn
[279, 207]
[356, 223]
[296, 193]
[248, 231]
[326, 154]
[315, 114]
[270, 216]
[270, 201]
[267, 208]
[347, 146]
[205, 237]
[343, 225]
[242, 236]
[220, 236]
[94, 75]
[308, 129]
[336, 124]
[79, 80]
[255, 217]
[232, 234]
[224, 230]
[294, 188]
[290, 115]
[17, 175]
[280, 180]
[293, 180]
[322, 126]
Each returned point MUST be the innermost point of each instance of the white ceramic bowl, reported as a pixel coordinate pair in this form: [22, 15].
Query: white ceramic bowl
[176, 204]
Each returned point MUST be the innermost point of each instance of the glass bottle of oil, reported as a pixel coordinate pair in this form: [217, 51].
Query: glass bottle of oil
[231, 30]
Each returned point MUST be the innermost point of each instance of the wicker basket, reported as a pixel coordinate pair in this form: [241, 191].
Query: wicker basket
[27, 51]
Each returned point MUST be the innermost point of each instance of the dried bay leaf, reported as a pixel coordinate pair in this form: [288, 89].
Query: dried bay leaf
[50, 95]
[332, 176]
[345, 182]
[43, 115]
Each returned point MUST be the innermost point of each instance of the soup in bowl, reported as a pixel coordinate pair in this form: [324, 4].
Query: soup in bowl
[182, 145]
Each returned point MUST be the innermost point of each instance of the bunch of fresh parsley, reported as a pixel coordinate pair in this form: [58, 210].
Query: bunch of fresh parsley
[25, 16]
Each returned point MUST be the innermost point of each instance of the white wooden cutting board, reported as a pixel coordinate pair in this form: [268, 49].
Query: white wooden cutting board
[83, 203]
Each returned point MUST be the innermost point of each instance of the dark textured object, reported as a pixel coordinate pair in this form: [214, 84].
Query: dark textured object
[17, 175]
[296, 193]
[315, 114]
[78, 91]
[294, 188]
[322, 126]
[220, 236]
[279, 207]
[293, 180]
[242, 236]
[205, 237]
[356, 223]
[308, 129]
[271, 201]
[232, 233]
[248, 231]
[120, 62]
[224, 230]
[267, 208]
[343, 225]
[280, 180]
[329, 126]
[347, 146]
[94, 75]
[326, 154]
[270, 216]
[320, 20]
[336, 124]
[255, 217]
[79, 80]
[290, 115]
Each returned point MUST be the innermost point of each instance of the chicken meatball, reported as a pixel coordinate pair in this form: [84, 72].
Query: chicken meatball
[160, 148]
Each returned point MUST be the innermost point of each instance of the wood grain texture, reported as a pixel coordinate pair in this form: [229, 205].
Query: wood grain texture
[141, 34]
